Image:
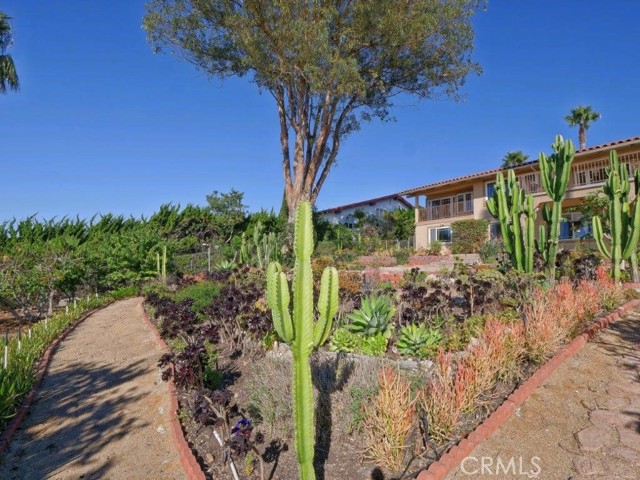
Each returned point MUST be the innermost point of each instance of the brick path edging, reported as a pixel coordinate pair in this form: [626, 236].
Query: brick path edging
[449, 461]
[189, 462]
[41, 370]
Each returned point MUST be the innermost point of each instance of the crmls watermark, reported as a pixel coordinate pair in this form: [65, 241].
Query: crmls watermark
[513, 466]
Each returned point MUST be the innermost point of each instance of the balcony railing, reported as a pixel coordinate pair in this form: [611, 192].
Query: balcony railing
[456, 209]
[582, 175]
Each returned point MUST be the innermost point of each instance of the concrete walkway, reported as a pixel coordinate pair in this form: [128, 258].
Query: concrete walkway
[582, 423]
[101, 411]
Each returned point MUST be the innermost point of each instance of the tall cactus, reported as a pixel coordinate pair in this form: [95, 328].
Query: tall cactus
[302, 333]
[623, 218]
[508, 204]
[555, 171]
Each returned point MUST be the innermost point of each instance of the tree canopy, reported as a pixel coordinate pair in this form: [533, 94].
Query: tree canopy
[514, 159]
[8, 75]
[328, 64]
[582, 116]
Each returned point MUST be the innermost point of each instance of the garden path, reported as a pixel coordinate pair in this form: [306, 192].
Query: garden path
[582, 423]
[102, 409]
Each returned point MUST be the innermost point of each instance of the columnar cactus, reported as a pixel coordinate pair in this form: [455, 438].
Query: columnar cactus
[555, 171]
[508, 204]
[302, 333]
[623, 218]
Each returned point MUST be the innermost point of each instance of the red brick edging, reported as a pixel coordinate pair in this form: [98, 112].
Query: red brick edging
[449, 461]
[189, 463]
[41, 370]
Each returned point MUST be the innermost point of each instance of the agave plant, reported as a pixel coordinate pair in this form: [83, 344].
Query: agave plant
[373, 317]
[417, 340]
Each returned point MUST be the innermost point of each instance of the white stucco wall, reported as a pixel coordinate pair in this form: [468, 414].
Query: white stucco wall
[346, 215]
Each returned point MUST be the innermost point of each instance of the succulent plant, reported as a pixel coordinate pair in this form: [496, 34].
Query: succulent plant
[417, 340]
[373, 317]
[343, 340]
[374, 345]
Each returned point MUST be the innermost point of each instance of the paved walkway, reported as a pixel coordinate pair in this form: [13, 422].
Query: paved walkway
[582, 423]
[101, 411]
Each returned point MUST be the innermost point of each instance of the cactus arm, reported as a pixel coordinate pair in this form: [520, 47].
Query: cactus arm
[529, 234]
[278, 301]
[327, 305]
[632, 241]
[598, 235]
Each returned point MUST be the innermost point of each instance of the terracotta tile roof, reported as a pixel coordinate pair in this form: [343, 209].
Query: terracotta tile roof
[393, 196]
[472, 176]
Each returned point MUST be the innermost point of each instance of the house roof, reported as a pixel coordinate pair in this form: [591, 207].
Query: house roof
[372, 201]
[473, 176]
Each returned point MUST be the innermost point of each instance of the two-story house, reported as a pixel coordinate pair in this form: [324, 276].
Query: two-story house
[439, 204]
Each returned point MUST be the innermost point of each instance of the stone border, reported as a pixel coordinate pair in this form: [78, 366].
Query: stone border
[41, 370]
[439, 469]
[189, 462]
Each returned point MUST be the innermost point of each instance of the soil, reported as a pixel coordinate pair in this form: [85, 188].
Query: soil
[102, 409]
[582, 423]
[341, 453]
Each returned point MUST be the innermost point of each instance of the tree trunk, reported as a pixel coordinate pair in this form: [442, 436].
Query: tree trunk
[582, 134]
[50, 309]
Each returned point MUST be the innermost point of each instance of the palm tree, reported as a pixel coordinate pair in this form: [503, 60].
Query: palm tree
[514, 159]
[8, 74]
[582, 116]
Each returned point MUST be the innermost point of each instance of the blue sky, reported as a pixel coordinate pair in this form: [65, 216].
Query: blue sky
[101, 124]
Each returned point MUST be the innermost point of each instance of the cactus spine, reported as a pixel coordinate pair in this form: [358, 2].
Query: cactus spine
[302, 333]
[623, 218]
[555, 171]
[508, 204]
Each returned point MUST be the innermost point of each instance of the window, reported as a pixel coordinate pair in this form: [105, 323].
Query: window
[465, 203]
[440, 208]
[574, 227]
[491, 188]
[441, 234]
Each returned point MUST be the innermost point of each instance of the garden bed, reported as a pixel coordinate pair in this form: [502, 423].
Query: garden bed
[240, 365]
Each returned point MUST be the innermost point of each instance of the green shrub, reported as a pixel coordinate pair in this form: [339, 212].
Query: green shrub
[157, 288]
[468, 235]
[435, 248]
[201, 293]
[124, 292]
[402, 256]
[489, 251]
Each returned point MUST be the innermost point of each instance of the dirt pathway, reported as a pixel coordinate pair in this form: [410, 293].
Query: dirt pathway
[582, 423]
[101, 411]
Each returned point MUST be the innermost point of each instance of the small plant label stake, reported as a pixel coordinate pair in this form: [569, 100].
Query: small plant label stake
[29, 334]
[6, 348]
[66, 309]
[75, 303]
[19, 338]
